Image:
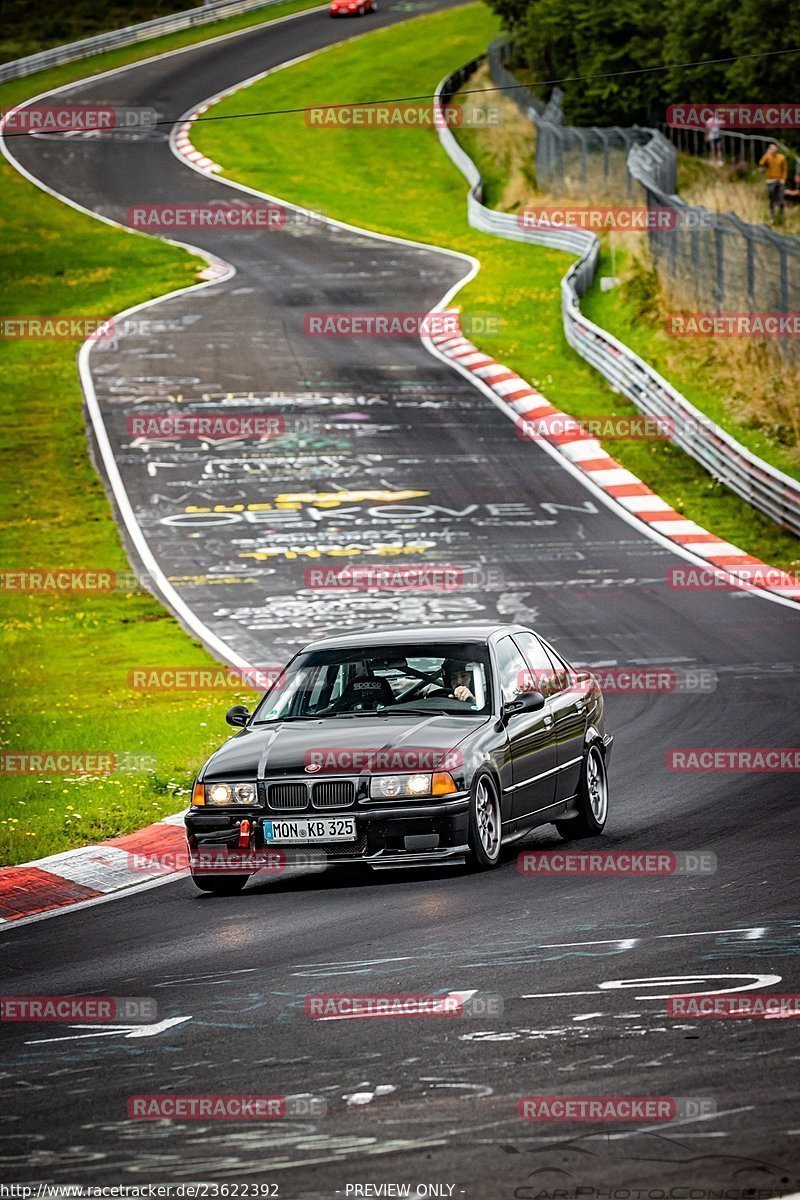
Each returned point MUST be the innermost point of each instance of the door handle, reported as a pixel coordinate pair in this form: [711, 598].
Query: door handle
[548, 720]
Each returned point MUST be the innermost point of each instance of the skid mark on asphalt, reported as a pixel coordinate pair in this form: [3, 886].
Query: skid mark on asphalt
[517, 949]
[655, 1157]
[210, 980]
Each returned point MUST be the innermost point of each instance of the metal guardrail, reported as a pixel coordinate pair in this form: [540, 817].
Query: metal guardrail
[769, 490]
[130, 34]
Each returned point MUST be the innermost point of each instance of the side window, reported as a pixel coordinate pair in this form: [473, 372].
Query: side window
[563, 675]
[546, 677]
[512, 668]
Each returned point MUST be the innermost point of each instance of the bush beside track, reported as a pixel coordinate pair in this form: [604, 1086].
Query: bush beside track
[67, 656]
[398, 181]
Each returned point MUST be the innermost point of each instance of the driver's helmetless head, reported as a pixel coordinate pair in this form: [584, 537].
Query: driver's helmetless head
[458, 675]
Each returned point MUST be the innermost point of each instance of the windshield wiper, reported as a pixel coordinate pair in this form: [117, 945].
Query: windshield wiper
[385, 712]
[417, 712]
[367, 712]
[280, 720]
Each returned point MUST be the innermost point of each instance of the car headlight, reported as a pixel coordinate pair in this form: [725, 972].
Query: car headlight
[399, 787]
[221, 794]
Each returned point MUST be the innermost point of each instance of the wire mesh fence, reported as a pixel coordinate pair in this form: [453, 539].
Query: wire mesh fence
[735, 147]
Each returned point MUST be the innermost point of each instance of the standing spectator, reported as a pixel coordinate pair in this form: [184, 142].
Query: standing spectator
[777, 169]
[714, 138]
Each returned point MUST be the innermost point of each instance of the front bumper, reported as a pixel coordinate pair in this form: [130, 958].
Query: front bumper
[386, 835]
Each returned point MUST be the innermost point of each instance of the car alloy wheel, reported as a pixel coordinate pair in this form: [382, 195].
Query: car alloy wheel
[592, 800]
[597, 785]
[485, 824]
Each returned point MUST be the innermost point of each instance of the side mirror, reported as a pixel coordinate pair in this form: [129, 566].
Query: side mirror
[238, 715]
[525, 702]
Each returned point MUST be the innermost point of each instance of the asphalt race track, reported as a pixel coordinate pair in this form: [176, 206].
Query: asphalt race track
[433, 465]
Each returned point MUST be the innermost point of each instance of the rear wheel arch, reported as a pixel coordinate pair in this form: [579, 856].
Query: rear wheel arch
[592, 797]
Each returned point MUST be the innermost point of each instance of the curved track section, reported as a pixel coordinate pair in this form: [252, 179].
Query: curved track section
[402, 458]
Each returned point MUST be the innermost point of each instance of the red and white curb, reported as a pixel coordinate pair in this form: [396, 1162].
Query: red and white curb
[183, 147]
[526, 404]
[92, 872]
[183, 144]
[180, 139]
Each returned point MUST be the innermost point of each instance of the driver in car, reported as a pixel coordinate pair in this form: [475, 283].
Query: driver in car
[458, 681]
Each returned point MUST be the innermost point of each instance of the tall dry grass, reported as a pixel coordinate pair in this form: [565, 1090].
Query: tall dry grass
[732, 189]
[759, 388]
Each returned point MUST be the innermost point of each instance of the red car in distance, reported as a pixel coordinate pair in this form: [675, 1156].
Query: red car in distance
[352, 8]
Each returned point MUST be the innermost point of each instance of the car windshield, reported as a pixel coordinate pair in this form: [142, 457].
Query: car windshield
[451, 678]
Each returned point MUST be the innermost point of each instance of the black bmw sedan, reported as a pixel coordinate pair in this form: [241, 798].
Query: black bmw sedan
[403, 749]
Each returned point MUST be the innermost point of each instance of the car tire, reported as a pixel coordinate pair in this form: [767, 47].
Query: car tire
[221, 885]
[592, 799]
[485, 824]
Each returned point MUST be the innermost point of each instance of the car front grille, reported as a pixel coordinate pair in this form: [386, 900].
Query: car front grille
[288, 797]
[333, 793]
[296, 795]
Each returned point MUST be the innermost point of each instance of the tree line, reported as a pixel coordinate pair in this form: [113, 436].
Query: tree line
[591, 45]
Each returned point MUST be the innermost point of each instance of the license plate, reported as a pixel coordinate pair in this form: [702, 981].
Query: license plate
[325, 829]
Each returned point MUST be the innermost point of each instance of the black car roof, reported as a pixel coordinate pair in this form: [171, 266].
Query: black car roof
[414, 635]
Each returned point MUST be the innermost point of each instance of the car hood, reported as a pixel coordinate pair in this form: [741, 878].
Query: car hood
[342, 746]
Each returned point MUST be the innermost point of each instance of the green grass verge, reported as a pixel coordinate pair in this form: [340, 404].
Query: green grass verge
[399, 181]
[64, 683]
